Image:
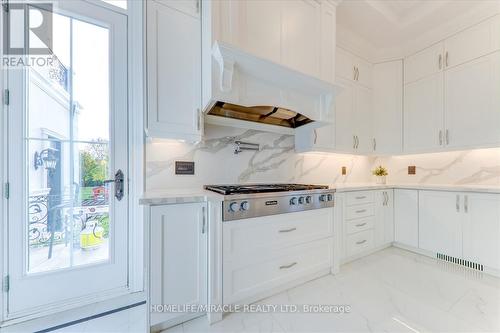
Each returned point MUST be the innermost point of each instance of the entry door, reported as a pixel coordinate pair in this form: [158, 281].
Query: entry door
[68, 236]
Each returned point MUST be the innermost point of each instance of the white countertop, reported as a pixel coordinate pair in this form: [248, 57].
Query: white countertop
[176, 196]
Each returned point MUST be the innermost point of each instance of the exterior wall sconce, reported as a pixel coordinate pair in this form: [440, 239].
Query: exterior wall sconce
[46, 158]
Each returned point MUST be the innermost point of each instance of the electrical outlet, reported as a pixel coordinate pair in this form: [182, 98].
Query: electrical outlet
[344, 171]
[412, 170]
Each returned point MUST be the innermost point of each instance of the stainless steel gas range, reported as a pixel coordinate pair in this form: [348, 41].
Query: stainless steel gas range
[247, 201]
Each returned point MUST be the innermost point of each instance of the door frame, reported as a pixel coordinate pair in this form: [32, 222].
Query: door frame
[136, 141]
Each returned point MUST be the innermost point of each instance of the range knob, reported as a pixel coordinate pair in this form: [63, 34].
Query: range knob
[301, 200]
[293, 201]
[330, 197]
[233, 206]
[308, 199]
[244, 205]
[323, 197]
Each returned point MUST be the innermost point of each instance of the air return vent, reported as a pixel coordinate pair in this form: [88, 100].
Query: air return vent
[461, 262]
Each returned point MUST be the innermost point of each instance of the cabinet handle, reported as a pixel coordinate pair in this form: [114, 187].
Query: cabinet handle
[374, 144]
[447, 137]
[361, 242]
[440, 137]
[315, 136]
[446, 59]
[466, 204]
[458, 203]
[357, 76]
[361, 211]
[288, 266]
[440, 61]
[357, 142]
[288, 230]
[354, 73]
[198, 121]
[354, 142]
[197, 6]
[204, 220]
[386, 198]
[362, 197]
[361, 224]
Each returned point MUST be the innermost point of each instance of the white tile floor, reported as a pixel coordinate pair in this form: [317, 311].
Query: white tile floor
[389, 291]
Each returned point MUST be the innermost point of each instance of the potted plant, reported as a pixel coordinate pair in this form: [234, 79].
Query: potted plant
[381, 173]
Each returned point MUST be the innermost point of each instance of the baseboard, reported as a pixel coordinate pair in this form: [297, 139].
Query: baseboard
[365, 253]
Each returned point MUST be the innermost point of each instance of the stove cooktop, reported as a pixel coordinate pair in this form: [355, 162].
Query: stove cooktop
[261, 188]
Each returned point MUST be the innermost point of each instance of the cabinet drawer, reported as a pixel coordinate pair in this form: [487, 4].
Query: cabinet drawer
[256, 236]
[354, 226]
[359, 242]
[357, 198]
[244, 279]
[359, 211]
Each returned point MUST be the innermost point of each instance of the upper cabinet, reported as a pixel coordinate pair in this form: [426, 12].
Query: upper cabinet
[299, 34]
[354, 68]
[174, 70]
[451, 92]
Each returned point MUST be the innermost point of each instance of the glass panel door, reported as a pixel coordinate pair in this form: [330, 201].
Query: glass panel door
[67, 229]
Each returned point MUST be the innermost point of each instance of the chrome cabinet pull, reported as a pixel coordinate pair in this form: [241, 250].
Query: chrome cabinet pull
[361, 224]
[354, 142]
[197, 6]
[288, 230]
[362, 197]
[440, 137]
[440, 61]
[446, 59]
[357, 74]
[447, 137]
[466, 204]
[288, 266]
[204, 220]
[357, 142]
[354, 73]
[198, 121]
[458, 203]
[361, 211]
[374, 144]
[315, 136]
[361, 242]
[384, 203]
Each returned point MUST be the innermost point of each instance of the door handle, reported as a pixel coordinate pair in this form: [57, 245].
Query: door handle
[288, 230]
[458, 203]
[119, 182]
[361, 242]
[361, 211]
[361, 224]
[288, 266]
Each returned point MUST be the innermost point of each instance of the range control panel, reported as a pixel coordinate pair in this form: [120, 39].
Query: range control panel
[271, 205]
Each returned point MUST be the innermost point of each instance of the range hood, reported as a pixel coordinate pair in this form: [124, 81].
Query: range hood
[250, 92]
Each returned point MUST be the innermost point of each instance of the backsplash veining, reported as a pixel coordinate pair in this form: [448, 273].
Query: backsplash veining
[215, 163]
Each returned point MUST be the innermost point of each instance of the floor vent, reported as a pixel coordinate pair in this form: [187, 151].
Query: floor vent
[461, 262]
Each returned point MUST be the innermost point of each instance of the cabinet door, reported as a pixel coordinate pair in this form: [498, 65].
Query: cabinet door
[365, 72]
[440, 222]
[256, 26]
[406, 217]
[384, 217]
[363, 119]
[472, 43]
[423, 114]
[174, 73]
[328, 41]
[178, 256]
[190, 7]
[388, 107]
[302, 36]
[424, 63]
[344, 117]
[472, 103]
[344, 65]
[481, 229]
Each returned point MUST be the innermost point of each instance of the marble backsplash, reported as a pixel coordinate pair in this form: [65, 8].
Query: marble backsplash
[216, 163]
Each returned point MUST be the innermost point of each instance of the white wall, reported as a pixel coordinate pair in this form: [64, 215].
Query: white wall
[215, 163]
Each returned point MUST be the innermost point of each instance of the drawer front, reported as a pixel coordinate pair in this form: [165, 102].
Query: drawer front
[243, 279]
[359, 242]
[358, 198]
[360, 211]
[258, 236]
[354, 226]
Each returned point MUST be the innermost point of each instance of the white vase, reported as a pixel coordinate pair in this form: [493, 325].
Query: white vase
[381, 180]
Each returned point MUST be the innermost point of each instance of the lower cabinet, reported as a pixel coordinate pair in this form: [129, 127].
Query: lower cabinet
[406, 217]
[384, 217]
[265, 254]
[178, 259]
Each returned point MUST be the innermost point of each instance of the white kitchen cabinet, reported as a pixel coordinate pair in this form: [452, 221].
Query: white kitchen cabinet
[481, 229]
[440, 227]
[472, 103]
[363, 119]
[174, 70]
[387, 119]
[328, 41]
[424, 63]
[472, 43]
[344, 117]
[406, 217]
[178, 258]
[364, 72]
[353, 68]
[384, 217]
[423, 115]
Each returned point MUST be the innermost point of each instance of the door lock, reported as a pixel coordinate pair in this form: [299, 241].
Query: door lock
[119, 182]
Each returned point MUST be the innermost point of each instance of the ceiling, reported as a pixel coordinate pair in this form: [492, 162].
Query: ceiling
[389, 23]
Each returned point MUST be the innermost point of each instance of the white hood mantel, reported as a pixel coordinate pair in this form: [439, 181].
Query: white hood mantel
[242, 79]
